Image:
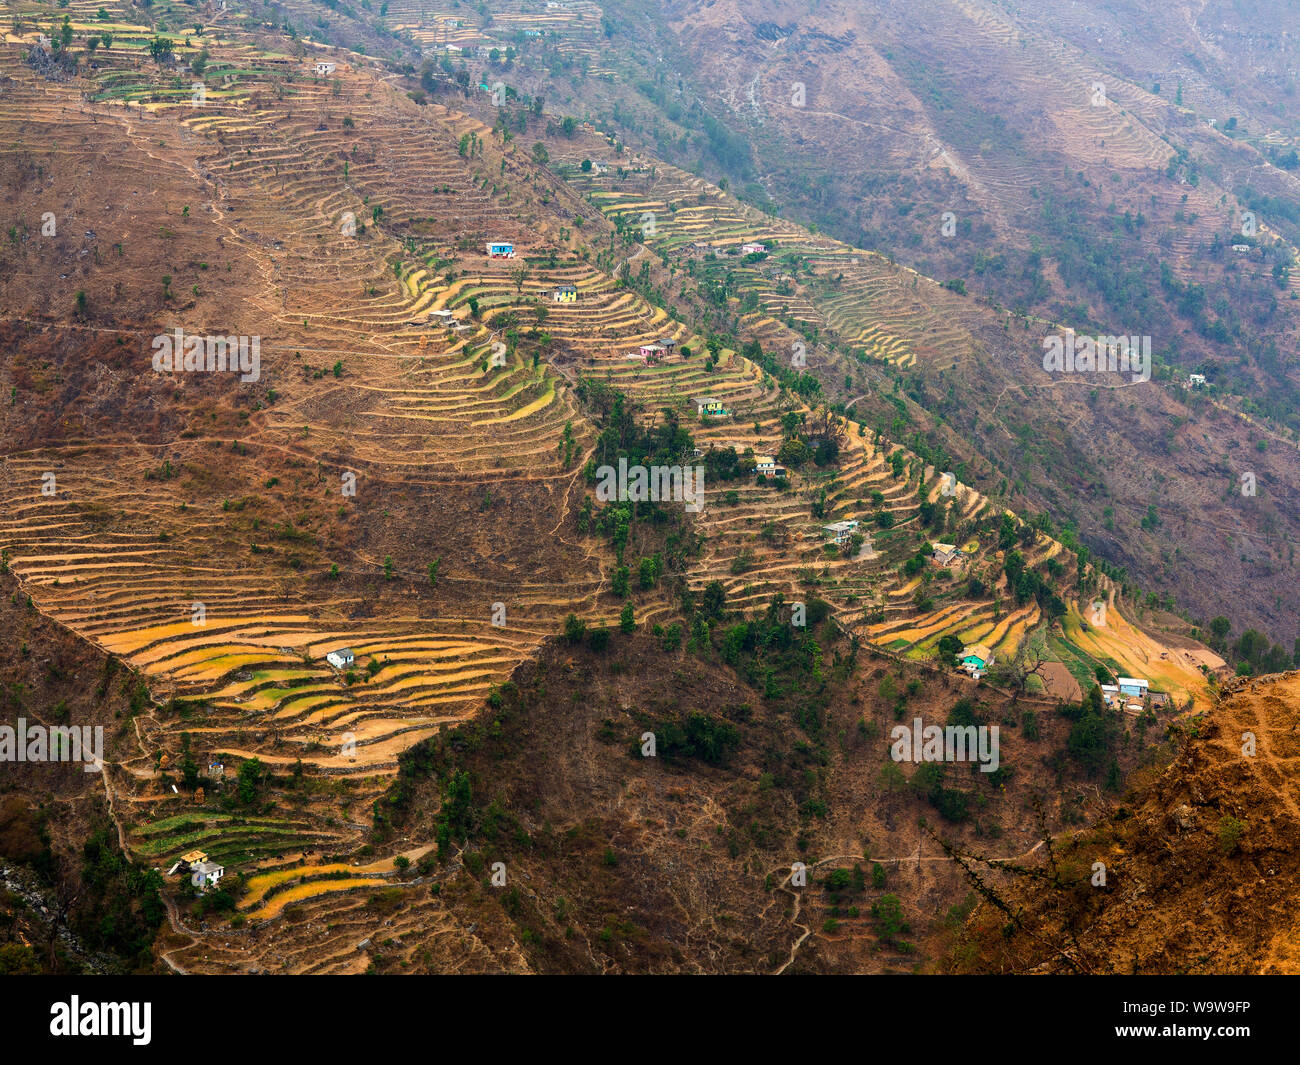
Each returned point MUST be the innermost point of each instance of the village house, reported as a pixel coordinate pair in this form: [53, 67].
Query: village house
[1196, 380]
[1133, 686]
[443, 317]
[753, 249]
[840, 531]
[1110, 694]
[652, 353]
[565, 294]
[324, 68]
[709, 407]
[766, 465]
[501, 249]
[341, 659]
[205, 875]
[187, 861]
[945, 554]
[668, 344]
[1241, 249]
[975, 659]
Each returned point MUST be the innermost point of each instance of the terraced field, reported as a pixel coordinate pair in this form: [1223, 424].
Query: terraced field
[572, 29]
[224, 563]
[872, 309]
[391, 482]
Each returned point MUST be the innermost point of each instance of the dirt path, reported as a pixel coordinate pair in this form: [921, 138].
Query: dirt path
[917, 857]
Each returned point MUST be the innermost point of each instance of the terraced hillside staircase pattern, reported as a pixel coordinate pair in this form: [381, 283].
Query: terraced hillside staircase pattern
[150, 566]
[346, 236]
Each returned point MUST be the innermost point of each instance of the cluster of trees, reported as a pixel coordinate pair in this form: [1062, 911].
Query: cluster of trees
[1252, 652]
[121, 906]
[1026, 584]
[648, 571]
[800, 382]
[698, 736]
[815, 437]
[772, 654]
[725, 464]
[934, 516]
[951, 803]
[1094, 736]
[250, 780]
[663, 442]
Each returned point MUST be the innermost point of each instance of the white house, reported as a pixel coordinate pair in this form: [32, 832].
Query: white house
[753, 249]
[945, 554]
[205, 875]
[766, 465]
[840, 531]
[1196, 380]
[1241, 249]
[341, 659]
[324, 68]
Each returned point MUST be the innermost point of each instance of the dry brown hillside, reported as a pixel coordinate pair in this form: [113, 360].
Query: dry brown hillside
[1202, 862]
[68, 901]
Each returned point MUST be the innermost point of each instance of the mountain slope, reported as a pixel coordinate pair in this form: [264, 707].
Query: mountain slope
[1200, 862]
